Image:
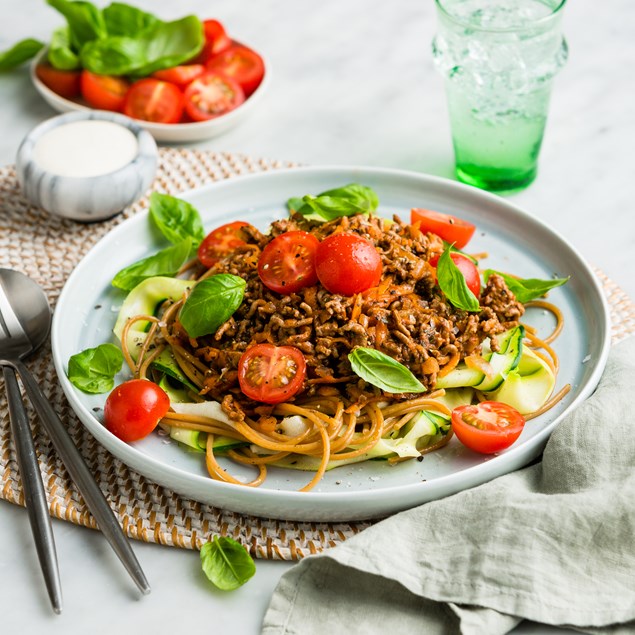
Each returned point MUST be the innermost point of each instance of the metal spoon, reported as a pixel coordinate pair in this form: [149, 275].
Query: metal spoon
[22, 294]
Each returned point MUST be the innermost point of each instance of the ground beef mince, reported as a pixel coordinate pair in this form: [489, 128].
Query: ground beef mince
[406, 316]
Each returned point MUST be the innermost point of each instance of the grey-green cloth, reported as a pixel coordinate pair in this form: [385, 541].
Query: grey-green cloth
[553, 543]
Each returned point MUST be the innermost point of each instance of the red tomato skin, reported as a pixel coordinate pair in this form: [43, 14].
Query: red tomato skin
[216, 41]
[467, 268]
[261, 373]
[227, 93]
[452, 229]
[287, 263]
[220, 242]
[104, 92]
[240, 63]
[152, 100]
[500, 425]
[64, 83]
[180, 75]
[134, 408]
[347, 264]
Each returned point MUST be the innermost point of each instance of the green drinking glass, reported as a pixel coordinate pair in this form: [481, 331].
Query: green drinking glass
[499, 58]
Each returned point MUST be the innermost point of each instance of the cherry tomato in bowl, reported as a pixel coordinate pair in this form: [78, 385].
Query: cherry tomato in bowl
[152, 100]
[487, 427]
[133, 409]
[452, 229]
[347, 264]
[216, 41]
[241, 64]
[180, 75]
[271, 374]
[104, 92]
[287, 263]
[212, 95]
[221, 242]
[467, 268]
[64, 83]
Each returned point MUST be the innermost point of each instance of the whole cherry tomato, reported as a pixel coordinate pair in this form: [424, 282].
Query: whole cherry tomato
[347, 264]
[134, 408]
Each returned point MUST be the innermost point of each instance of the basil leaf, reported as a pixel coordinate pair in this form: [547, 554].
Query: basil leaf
[60, 53]
[383, 371]
[529, 288]
[19, 53]
[164, 263]
[452, 283]
[226, 563]
[159, 45]
[211, 303]
[294, 203]
[342, 201]
[94, 369]
[453, 249]
[176, 219]
[85, 21]
[123, 19]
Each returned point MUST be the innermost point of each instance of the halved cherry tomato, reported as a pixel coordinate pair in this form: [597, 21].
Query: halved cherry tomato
[347, 264]
[104, 92]
[64, 83]
[271, 374]
[487, 427]
[467, 268]
[240, 63]
[220, 242]
[216, 41]
[452, 229]
[180, 75]
[133, 409]
[151, 99]
[287, 263]
[212, 95]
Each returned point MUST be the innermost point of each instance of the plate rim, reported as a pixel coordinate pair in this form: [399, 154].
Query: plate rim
[128, 454]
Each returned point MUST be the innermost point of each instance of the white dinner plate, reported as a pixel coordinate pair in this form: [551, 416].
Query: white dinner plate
[515, 241]
[170, 133]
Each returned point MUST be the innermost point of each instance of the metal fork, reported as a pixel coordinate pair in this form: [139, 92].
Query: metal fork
[15, 344]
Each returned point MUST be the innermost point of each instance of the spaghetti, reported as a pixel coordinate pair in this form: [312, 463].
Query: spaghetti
[341, 418]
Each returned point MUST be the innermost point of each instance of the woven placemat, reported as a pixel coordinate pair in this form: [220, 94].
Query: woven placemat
[48, 249]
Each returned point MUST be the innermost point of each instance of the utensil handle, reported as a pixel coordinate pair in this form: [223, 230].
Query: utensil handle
[80, 474]
[33, 488]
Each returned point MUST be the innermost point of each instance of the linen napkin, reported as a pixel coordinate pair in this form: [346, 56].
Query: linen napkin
[553, 543]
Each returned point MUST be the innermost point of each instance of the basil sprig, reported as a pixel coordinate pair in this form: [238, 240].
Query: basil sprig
[383, 371]
[124, 19]
[452, 283]
[61, 54]
[94, 369]
[226, 563]
[159, 45]
[166, 262]
[176, 219]
[118, 40]
[211, 303]
[529, 288]
[19, 53]
[342, 201]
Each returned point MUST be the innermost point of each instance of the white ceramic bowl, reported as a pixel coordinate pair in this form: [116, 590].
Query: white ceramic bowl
[171, 133]
[86, 198]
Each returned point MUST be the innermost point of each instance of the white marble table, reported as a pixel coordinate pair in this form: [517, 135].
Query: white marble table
[353, 83]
